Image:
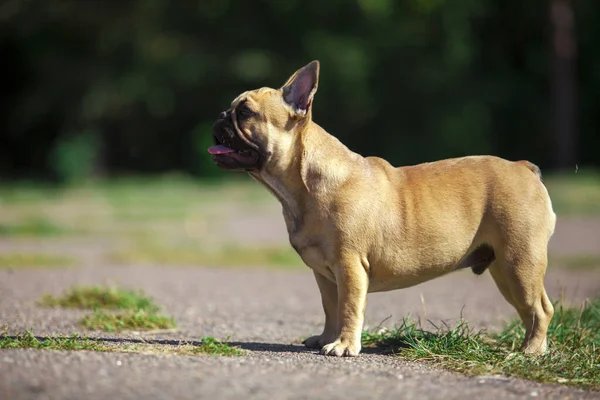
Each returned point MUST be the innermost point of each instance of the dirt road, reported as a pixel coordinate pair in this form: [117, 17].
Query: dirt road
[265, 312]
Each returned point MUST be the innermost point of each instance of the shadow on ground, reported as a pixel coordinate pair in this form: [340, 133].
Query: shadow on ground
[250, 346]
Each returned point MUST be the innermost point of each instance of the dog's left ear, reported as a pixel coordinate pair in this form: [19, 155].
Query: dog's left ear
[300, 89]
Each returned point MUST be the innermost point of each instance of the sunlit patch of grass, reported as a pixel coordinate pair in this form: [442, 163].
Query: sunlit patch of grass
[137, 311]
[113, 208]
[578, 261]
[32, 227]
[100, 297]
[226, 256]
[575, 193]
[127, 320]
[572, 359]
[27, 340]
[34, 260]
[177, 192]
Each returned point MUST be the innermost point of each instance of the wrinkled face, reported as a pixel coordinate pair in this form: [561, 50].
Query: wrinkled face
[259, 126]
[242, 133]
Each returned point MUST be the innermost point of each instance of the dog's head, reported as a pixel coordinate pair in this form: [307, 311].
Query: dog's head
[260, 125]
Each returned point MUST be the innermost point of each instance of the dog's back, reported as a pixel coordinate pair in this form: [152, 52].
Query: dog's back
[456, 213]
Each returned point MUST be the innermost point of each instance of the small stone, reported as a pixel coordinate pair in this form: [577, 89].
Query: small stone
[119, 363]
[534, 394]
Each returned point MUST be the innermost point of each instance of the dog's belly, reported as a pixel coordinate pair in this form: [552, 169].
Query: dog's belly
[382, 277]
[409, 267]
[401, 280]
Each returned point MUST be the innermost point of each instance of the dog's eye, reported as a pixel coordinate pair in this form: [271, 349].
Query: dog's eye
[245, 112]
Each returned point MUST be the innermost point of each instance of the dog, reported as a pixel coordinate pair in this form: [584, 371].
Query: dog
[363, 225]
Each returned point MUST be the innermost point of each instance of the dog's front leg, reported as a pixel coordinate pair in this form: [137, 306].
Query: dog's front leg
[352, 284]
[329, 297]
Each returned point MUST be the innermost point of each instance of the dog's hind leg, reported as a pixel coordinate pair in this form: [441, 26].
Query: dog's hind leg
[521, 281]
[501, 283]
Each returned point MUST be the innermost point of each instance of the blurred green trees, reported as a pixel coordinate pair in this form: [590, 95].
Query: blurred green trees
[113, 87]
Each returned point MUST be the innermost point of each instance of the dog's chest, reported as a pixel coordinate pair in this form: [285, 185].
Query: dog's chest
[314, 252]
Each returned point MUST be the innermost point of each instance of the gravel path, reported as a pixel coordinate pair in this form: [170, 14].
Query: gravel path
[267, 313]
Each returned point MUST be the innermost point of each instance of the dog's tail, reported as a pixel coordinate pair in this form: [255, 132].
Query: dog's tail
[532, 167]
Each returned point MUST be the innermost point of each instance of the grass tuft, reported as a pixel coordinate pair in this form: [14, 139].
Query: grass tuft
[127, 320]
[573, 357]
[34, 260]
[98, 297]
[216, 347]
[27, 340]
[137, 311]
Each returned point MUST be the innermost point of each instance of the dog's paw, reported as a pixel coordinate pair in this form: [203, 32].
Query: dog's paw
[318, 341]
[341, 348]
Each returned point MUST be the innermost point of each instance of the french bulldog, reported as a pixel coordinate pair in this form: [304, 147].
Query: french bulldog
[363, 225]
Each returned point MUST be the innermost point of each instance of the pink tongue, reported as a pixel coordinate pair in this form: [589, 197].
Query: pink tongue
[220, 149]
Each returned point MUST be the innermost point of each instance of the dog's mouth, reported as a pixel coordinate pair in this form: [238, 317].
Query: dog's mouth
[228, 155]
[241, 156]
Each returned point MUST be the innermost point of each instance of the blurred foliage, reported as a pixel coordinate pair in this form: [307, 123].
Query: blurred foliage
[99, 87]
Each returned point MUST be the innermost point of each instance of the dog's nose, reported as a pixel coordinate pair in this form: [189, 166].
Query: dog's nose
[223, 115]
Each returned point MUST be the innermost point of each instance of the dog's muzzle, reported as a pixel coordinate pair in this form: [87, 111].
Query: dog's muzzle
[230, 151]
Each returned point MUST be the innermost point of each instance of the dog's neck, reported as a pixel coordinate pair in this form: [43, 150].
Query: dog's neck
[319, 164]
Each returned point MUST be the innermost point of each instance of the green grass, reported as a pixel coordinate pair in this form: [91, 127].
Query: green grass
[127, 320]
[579, 261]
[152, 252]
[137, 311]
[27, 340]
[176, 192]
[100, 297]
[216, 347]
[574, 193]
[32, 227]
[34, 260]
[169, 209]
[24, 192]
[573, 357]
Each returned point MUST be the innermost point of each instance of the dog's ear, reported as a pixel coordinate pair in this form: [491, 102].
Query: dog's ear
[300, 89]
